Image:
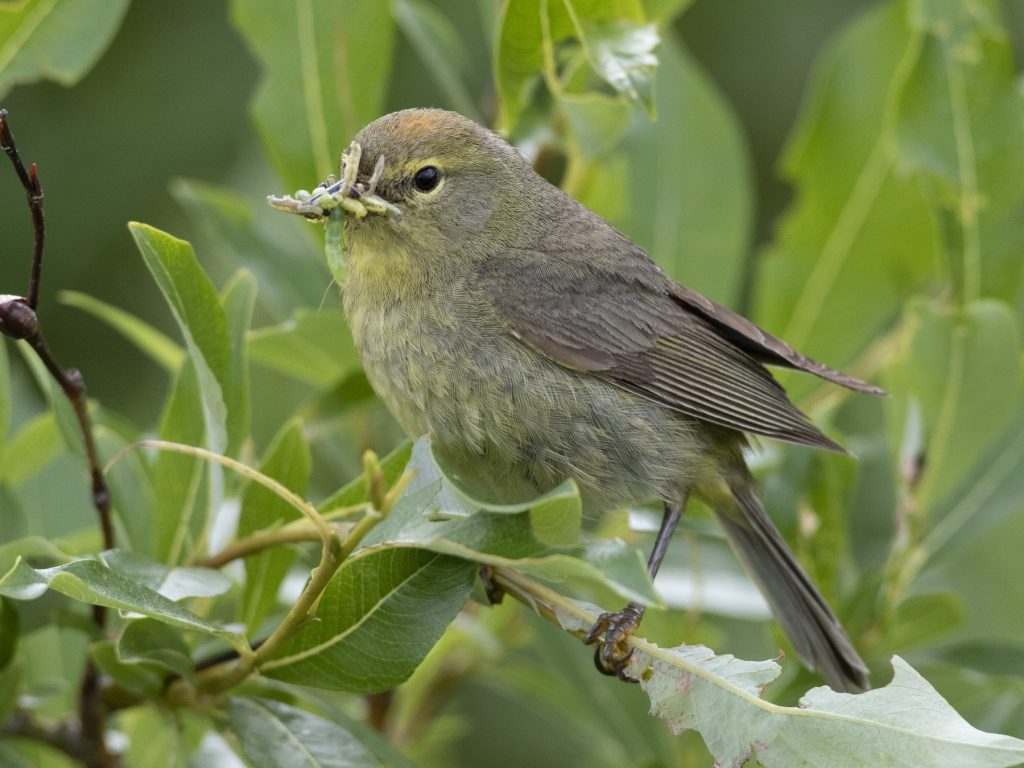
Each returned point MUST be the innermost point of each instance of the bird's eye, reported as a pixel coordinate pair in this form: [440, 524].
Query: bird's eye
[426, 178]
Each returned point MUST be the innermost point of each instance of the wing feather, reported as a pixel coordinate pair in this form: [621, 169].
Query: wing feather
[657, 339]
[761, 344]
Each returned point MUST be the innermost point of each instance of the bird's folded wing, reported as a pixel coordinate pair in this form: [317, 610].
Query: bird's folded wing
[761, 344]
[645, 340]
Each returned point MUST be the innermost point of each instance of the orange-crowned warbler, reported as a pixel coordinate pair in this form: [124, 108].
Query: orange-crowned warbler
[533, 342]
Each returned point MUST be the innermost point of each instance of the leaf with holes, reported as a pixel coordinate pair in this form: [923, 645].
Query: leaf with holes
[905, 724]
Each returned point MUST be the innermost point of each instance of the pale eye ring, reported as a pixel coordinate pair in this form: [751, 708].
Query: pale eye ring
[426, 178]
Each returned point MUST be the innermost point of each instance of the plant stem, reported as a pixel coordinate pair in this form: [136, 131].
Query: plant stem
[330, 560]
[294, 532]
[324, 531]
[222, 676]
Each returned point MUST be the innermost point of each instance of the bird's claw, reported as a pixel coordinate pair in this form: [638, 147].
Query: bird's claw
[612, 654]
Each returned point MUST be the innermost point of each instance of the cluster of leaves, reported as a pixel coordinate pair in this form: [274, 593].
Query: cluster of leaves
[901, 259]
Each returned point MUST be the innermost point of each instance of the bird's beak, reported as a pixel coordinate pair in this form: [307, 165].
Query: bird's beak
[356, 198]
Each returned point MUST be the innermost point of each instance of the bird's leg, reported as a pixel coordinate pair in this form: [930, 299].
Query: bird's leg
[612, 654]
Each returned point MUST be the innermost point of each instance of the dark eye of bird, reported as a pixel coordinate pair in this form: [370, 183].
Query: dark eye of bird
[426, 178]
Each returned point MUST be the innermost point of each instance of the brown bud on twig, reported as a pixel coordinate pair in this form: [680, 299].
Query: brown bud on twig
[17, 319]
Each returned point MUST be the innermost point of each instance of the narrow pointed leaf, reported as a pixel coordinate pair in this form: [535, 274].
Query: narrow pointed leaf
[181, 482]
[238, 299]
[162, 350]
[200, 317]
[326, 65]
[314, 347]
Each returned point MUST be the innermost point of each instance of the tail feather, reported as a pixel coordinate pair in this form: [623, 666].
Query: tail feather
[808, 621]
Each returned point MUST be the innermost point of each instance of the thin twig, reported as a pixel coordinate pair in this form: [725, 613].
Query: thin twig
[19, 319]
[227, 672]
[294, 532]
[73, 385]
[323, 529]
[34, 193]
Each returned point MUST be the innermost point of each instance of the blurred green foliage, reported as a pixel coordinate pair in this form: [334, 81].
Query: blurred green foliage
[848, 174]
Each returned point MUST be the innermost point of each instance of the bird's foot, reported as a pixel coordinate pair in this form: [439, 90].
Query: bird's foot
[612, 654]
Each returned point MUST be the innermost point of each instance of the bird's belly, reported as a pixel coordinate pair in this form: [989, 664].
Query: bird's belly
[511, 424]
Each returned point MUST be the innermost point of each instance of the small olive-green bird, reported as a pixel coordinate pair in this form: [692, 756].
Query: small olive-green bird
[533, 342]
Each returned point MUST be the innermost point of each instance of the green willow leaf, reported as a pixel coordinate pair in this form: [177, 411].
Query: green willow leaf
[96, 583]
[681, 187]
[433, 515]
[31, 449]
[598, 121]
[519, 57]
[615, 41]
[172, 583]
[275, 735]
[960, 126]
[326, 65]
[961, 374]
[153, 643]
[35, 548]
[376, 620]
[181, 482]
[238, 300]
[973, 545]
[209, 390]
[161, 349]
[314, 347]
[197, 309]
[56, 40]
[63, 411]
[623, 54]
[859, 227]
[140, 678]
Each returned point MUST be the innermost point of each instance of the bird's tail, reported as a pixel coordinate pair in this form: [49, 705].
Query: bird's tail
[808, 621]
